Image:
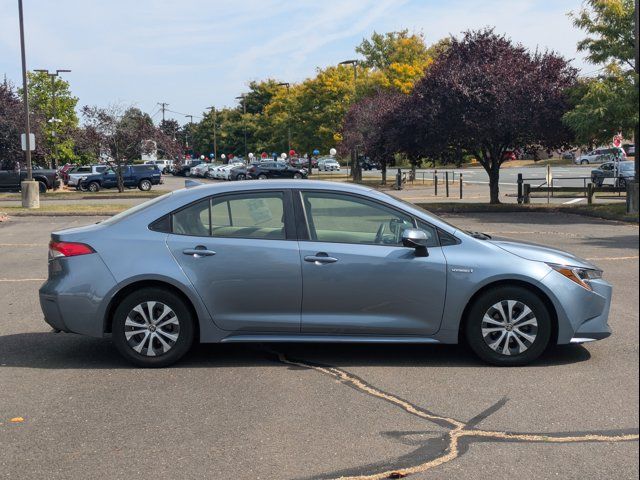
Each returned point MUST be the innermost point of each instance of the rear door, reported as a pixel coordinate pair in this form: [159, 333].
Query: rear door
[241, 254]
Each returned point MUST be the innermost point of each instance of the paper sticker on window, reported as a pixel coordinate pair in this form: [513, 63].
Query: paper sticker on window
[259, 211]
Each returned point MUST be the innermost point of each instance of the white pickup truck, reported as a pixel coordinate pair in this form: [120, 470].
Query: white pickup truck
[78, 172]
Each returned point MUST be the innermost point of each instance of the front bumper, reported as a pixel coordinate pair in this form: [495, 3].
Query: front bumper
[583, 315]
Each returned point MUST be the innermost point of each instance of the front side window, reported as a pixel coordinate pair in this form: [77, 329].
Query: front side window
[339, 218]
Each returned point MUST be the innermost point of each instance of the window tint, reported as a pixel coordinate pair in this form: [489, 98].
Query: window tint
[193, 220]
[100, 169]
[257, 215]
[346, 219]
[83, 169]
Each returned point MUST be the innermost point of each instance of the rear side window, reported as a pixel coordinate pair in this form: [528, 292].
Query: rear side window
[144, 168]
[259, 215]
[194, 220]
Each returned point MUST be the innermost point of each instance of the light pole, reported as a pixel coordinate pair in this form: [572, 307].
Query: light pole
[355, 169]
[243, 97]
[215, 133]
[53, 120]
[29, 188]
[633, 191]
[288, 85]
[186, 134]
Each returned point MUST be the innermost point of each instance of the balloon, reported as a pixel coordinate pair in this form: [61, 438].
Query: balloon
[264, 155]
[251, 155]
[211, 155]
[223, 156]
[292, 153]
[201, 157]
[316, 152]
[333, 151]
[284, 155]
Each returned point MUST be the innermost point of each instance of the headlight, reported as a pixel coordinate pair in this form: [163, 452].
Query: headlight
[581, 276]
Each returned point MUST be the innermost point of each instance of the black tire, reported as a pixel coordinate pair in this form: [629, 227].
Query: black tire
[93, 187]
[584, 162]
[185, 328]
[480, 344]
[241, 176]
[42, 187]
[622, 183]
[262, 176]
[297, 175]
[145, 185]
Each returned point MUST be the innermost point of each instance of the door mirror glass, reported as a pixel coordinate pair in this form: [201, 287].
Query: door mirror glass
[415, 238]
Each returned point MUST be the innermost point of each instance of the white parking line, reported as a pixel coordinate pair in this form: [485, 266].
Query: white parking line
[575, 200]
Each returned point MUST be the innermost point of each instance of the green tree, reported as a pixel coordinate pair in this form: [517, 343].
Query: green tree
[608, 104]
[53, 101]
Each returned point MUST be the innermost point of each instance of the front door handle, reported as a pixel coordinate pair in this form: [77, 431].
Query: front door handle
[199, 251]
[320, 258]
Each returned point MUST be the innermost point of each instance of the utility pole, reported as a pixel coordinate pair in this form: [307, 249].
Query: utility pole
[243, 97]
[186, 135]
[633, 190]
[215, 133]
[53, 120]
[29, 188]
[163, 107]
[288, 85]
[355, 168]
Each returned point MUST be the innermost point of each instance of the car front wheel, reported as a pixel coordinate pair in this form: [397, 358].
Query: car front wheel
[93, 187]
[584, 162]
[144, 185]
[508, 326]
[153, 327]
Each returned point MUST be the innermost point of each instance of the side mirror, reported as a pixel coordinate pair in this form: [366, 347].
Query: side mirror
[417, 239]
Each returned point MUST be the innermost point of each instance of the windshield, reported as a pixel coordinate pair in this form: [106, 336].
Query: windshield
[136, 209]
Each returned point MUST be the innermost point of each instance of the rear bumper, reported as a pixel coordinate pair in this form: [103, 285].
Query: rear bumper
[74, 296]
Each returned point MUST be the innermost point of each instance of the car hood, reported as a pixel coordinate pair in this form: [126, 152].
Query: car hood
[540, 253]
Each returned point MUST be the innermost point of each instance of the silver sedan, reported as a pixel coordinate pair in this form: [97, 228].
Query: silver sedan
[245, 262]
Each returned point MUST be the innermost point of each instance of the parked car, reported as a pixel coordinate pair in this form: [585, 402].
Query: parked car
[596, 156]
[427, 281]
[328, 165]
[76, 173]
[199, 170]
[625, 173]
[264, 170]
[569, 155]
[368, 164]
[47, 179]
[239, 172]
[165, 166]
[630, 149]
[185, 169]
[140, 176]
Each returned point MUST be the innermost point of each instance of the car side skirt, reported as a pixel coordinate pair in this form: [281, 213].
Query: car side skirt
[302, 338]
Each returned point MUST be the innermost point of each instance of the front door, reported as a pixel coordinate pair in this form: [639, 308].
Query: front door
[240, 253]
[357, 276]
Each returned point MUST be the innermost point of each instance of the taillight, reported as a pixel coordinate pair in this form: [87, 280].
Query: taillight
[68, 249]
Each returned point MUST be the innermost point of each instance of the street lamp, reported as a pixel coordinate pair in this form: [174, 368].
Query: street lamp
[354, 153]
[29, 188]
[53, 120]
[288, 85]
[243, 97]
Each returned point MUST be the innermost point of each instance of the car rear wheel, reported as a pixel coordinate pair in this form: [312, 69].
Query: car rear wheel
[144, 185]
[42, 187]
[93, 187]
[584, 162]
[622, 183]
[508, 326]
[297, 175]
[153, 327]
[241, 176]
[262, 176]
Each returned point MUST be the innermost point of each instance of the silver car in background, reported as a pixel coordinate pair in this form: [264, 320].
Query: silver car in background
[245, 262]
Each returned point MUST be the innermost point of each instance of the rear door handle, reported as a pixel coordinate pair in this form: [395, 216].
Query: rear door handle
[199, 251]
[320, 258]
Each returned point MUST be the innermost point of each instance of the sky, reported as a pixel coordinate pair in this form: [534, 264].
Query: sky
[193, 54]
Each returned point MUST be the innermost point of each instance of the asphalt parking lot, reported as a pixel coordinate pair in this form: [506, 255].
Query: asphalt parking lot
[307, 412]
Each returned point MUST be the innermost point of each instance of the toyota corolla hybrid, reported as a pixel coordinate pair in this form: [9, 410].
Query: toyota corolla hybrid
[245, 262]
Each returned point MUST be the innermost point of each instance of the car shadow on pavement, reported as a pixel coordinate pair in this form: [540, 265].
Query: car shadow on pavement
[48, 350]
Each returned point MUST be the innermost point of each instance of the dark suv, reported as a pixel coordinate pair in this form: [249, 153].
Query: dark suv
[141, 176]
[266, 170]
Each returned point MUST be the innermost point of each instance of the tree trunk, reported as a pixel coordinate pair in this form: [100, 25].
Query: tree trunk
[494, 184]
[119, 177]
[384, 173]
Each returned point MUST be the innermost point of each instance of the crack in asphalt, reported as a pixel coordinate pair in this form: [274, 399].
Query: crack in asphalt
[445, 447]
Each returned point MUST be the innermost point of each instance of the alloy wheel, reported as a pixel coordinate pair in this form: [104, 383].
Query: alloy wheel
[509, 327]
[152, 328]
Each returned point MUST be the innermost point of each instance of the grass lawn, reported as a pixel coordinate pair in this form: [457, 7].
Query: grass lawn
[66, 210]
[78, 195]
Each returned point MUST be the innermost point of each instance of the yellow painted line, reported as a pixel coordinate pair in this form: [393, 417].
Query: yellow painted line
[458, 429]
[10, 280]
